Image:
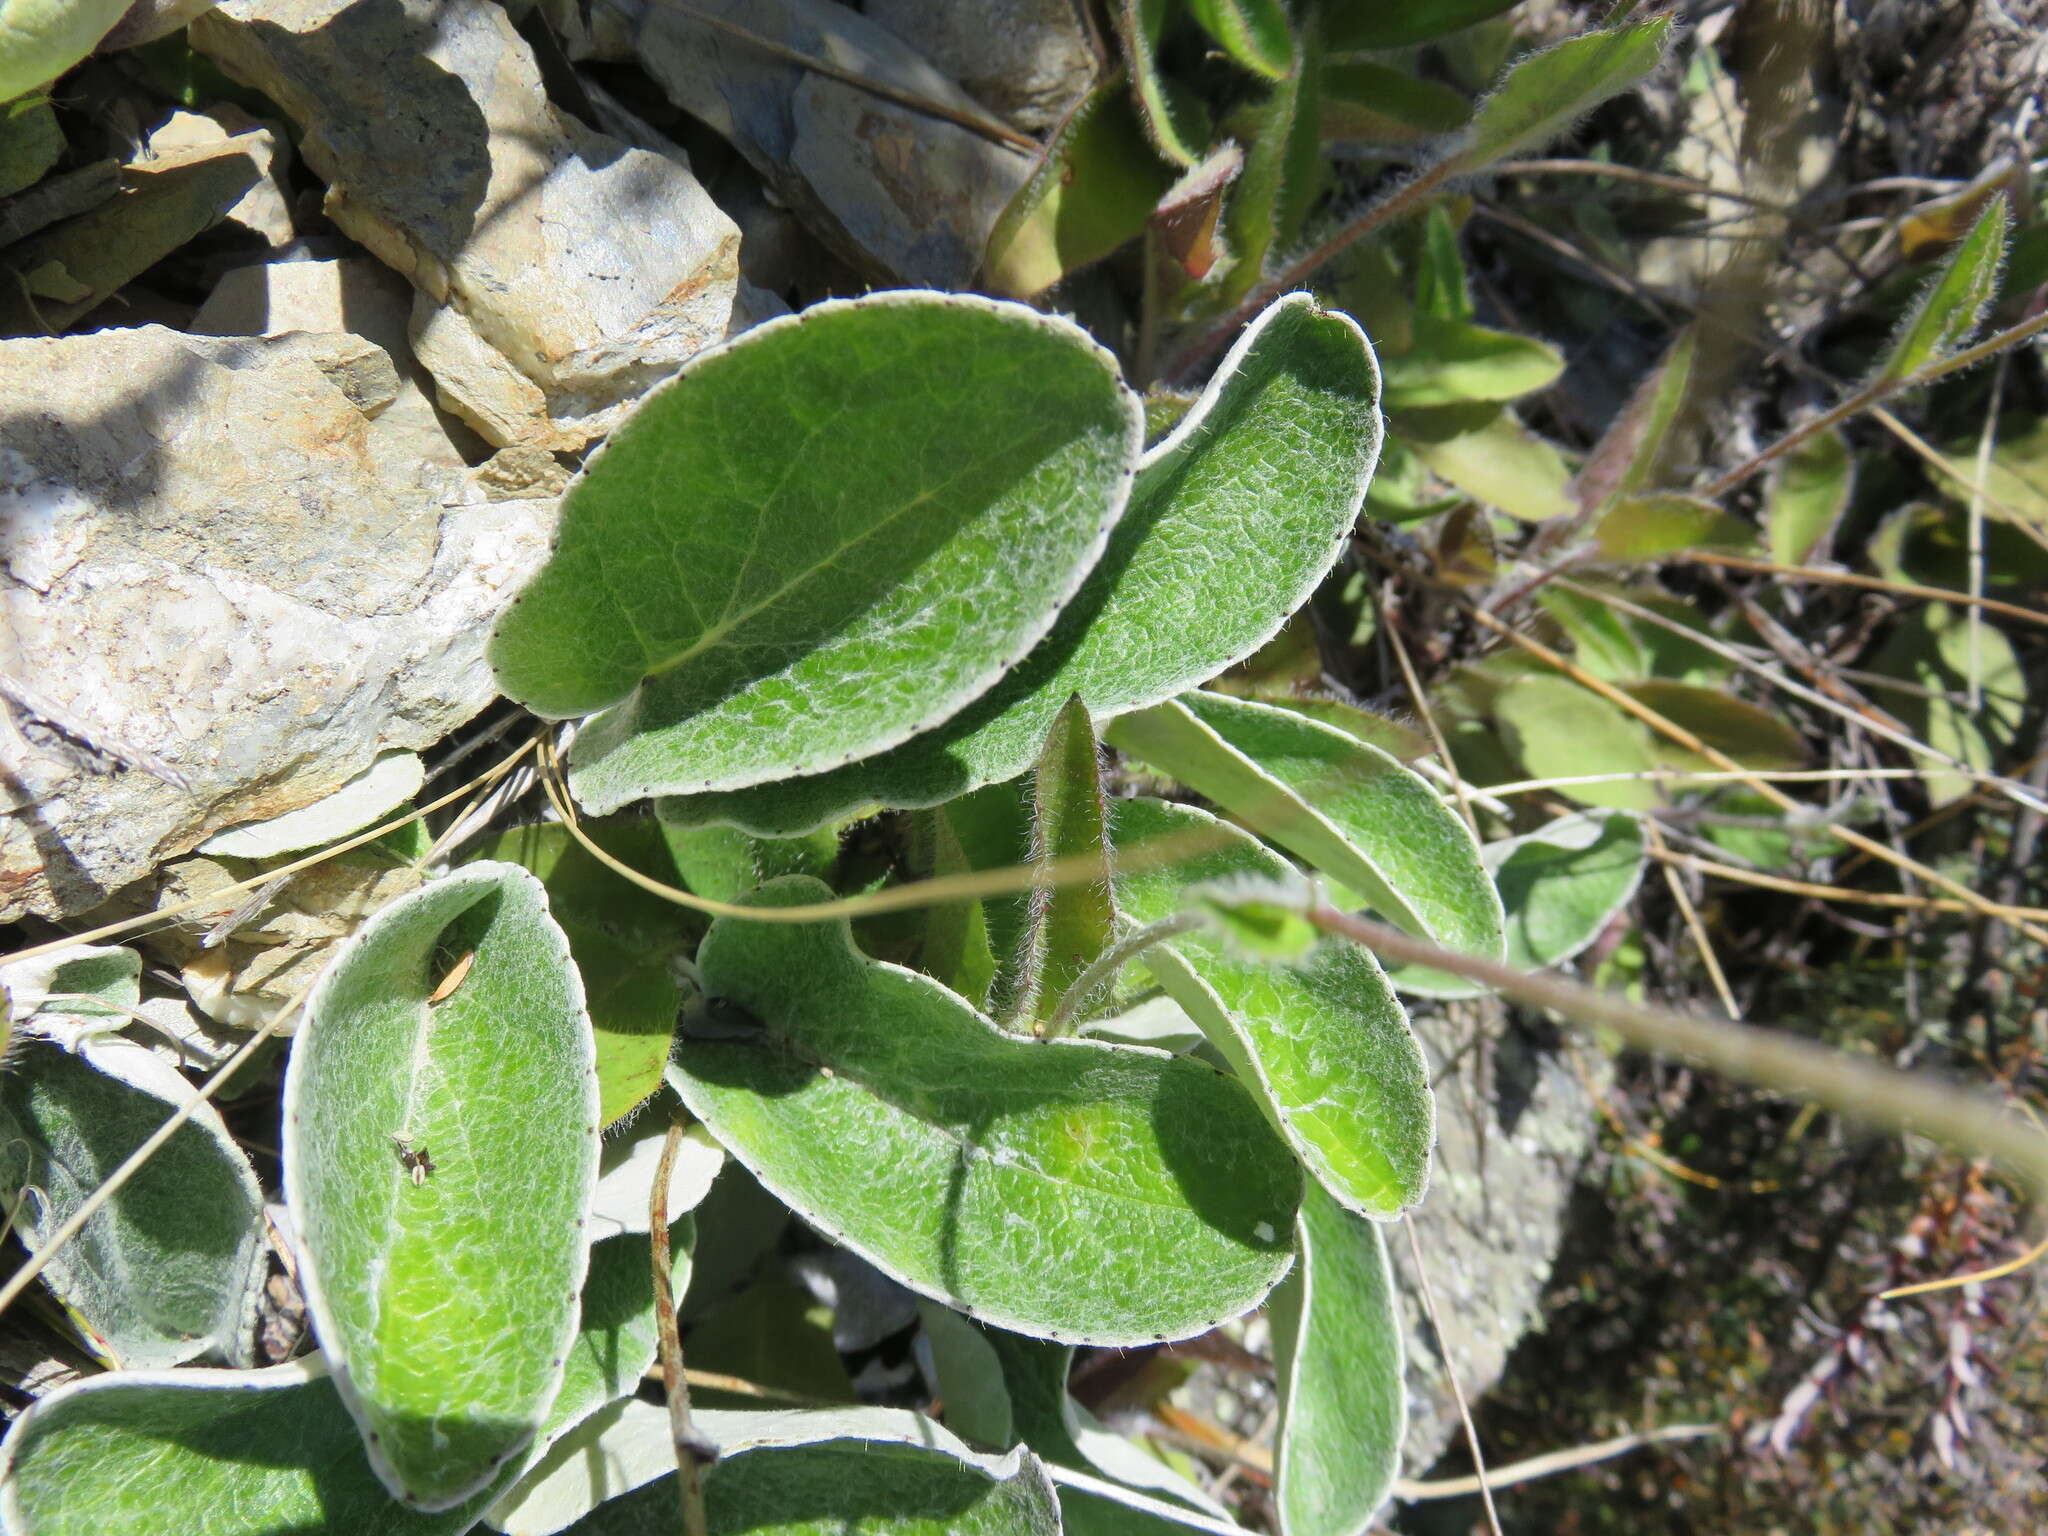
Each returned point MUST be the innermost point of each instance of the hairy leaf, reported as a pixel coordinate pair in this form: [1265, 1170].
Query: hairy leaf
[446, 1296]
[1066, 1188]
[1809, 491]
[1947, 314]
[1070, 922]
[819, 539]
[1236, 516]
[1343, 1405]
[1544, 93]
[170, 1268]
[255, 1453]
[1091, 194]
[1325, 1043]
[827, 1472]
[1560, 886]
[1359, 815]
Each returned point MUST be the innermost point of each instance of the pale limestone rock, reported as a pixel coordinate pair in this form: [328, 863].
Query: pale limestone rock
[265, 209]
[559, 272]
[1027, 59]
[902, 194]
[220, 562]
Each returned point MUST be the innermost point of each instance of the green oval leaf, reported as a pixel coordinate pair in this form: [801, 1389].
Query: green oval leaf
[1501, 463]
[255, 1453]
[1235, 518]
[1064, 1188]
[1544, 93]
[170, 1268]
[1453, 362]
[1343, 1405]
[1358, 814]
[820, 539]
[1561, 731]
[445, 1297]
[1324, 1043]
[1650, 527]
[1809, 490]
[1754, 737]
[622, 939]
[831, 1472]
[1560, 886]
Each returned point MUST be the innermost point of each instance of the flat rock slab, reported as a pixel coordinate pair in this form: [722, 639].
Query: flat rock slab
[903, 193]
[217, 566]
[560, 273]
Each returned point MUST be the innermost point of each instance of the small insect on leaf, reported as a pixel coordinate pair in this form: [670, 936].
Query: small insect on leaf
[453, 979]
[417, 1161]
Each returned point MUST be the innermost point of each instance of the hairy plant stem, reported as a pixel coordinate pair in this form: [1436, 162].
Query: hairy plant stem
[1397, 204]
[1113, 959]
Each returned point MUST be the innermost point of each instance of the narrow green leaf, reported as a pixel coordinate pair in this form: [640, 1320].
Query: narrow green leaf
[170, 1269]
[831, 1472]
[256, 1453]
[1442, 290]
[1546, 92]
[446, 1298]
[1631, 452]
[1364, 101]
[1501, 463]
[1173, 119]
[623, 940]
[1343, 1406]
[1650, 527]
[1282, 164]
[1360, 816]
[819, 539]
[1413, 21]
[1454, 362]
[1236, 517]
[1325, 1043]
[1070, 922]
[1066, 1188]
[1091, 193]
[1809, 490]
[1560, 886]
[1560, 730]
[1253, 32]
[956, 949]
[1952, 306]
